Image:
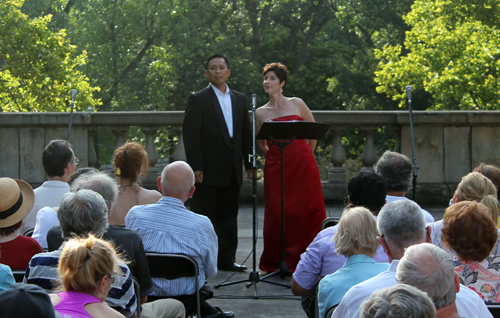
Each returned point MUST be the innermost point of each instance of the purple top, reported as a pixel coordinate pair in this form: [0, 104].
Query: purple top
[72, 304]
[320, 259]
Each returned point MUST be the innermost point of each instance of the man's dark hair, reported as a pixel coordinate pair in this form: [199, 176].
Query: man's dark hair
[56, 156]
[367, 189]
[396, 170]
[217, 55]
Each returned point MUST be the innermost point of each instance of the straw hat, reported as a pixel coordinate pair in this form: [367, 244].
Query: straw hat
[16, 201]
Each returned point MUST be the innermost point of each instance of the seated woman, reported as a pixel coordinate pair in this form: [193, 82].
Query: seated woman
[493, 173]
[17, 199]
[87, 267]
[46, 218]
[130, 161]
[356, 238]
[473, 187]
[471, 233]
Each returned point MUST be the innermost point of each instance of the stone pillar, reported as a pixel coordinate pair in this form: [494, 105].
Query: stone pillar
[153, 172]
[180, 153]
[337, 174]
[119, 133]
[369, 156]
[91, 154]
[397, 132]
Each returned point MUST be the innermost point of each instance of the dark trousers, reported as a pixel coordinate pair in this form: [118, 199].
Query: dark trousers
[220, 205]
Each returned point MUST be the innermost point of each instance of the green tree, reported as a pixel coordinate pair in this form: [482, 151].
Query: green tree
[454, 47]
[38, 67]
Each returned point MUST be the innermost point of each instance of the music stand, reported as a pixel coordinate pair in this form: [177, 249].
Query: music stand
[283, 133]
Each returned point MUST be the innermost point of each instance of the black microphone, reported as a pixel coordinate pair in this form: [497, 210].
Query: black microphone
[408, 91]
[73, 95]
[254, 100]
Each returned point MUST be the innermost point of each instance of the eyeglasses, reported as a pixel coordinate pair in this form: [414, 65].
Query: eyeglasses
[112, 278]
[76, 161]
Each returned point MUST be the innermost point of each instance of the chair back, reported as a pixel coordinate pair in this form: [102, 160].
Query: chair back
[18, 275]
[173, 266]
[331, 221]
[494, 309]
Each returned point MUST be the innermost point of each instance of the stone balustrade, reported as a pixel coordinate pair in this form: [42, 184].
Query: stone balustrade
[448, 144]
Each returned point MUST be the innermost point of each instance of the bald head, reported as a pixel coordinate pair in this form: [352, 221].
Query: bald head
[177, 180]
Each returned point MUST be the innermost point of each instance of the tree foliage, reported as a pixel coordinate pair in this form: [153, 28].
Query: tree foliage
[38, 67]
[454, 47]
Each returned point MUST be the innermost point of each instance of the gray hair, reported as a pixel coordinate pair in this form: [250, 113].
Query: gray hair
[396, 170]
[177, 178]
[402, 223]
[398, 301]
[81, 213]
[430, 269]
[357, 230]
[100, 183]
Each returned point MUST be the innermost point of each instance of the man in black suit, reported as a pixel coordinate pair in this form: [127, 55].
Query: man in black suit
[218, 139]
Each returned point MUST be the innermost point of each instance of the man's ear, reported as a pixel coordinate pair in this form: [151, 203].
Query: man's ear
[158, 183]
[457, 283]
[191, 192]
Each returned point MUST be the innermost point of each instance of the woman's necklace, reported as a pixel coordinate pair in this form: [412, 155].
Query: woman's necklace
[127, 185]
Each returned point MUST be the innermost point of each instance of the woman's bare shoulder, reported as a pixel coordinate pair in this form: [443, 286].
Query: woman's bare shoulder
[102, 310]
[147, 196]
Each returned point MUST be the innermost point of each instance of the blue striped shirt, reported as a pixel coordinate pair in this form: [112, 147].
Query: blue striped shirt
[168, 227]
[42, 271]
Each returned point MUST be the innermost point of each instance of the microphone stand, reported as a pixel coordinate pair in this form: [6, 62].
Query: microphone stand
[73, 95]
[415, 167]
[254, 276]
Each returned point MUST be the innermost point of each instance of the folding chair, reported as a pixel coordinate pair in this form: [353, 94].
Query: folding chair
[173, 266]
[18, 275]
[494, 309]
[331, 221]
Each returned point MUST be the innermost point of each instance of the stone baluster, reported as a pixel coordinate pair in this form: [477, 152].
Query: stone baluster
[153, 172]
[91, 154]
[397, 132]
[369, 156]
[337, 174]
[179, 153]
[119, 133]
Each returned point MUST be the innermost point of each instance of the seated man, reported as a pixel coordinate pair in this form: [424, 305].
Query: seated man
[126, 242]
[81, 213]
[168, 227]
[365, 189]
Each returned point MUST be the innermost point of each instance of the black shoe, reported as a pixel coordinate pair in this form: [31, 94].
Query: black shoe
[221, 314]
[234, 268]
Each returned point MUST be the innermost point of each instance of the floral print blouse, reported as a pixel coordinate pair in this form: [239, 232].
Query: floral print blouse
[482, 277]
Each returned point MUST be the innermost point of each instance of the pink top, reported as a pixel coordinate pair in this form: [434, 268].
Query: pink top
[72, 304]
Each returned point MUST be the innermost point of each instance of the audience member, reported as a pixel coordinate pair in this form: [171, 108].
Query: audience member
[126, 241]
[6, 277]
[356, 239]
[430, 269]
[87, 268]
[473, 187]
[59, 163]
[168, 227]
[130, 160]
[401, 225]
[26, 300]
[365, 189]
[46, 217]
[82, 213]
[16, 201]
[469, 231]
[396, 169]
[398, 301]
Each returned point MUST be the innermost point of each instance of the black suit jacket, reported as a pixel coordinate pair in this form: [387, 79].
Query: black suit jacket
[206, 137]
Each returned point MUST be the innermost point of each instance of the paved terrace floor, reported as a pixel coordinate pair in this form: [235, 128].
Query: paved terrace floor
[272, 301]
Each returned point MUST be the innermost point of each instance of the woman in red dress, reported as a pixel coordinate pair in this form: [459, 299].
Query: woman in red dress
[304, 204]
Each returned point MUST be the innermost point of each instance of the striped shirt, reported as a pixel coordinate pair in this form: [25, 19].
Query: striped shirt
[42, 271]
[168, 227]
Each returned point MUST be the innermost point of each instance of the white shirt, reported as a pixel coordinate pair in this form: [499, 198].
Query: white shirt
[46, 218]
[226, 106]
[469, 304]
[428, 217]
[48, 194]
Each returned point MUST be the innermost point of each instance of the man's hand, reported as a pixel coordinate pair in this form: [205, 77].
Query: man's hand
[198, 176]
[250, 174]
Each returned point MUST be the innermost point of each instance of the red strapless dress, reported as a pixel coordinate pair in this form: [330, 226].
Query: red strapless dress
[304, 204]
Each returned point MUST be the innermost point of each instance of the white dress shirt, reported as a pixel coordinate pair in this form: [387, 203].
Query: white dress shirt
[226, 106]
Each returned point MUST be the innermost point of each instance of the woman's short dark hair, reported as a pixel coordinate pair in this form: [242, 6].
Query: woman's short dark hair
[279, 69]
[469, 230]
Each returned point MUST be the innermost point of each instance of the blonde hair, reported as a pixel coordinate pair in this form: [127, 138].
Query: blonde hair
[357, 230]
[84, 261]
[477, 187]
